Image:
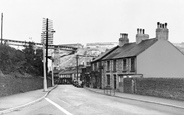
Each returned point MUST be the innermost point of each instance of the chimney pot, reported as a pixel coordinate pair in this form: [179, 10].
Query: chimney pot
[162, 32]
[137, 30]
[158, 24]
[141, 36]
[140, 31]
[123, 39]
[165, 25]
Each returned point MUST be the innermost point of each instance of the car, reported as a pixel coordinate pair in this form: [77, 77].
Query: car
[78, 83]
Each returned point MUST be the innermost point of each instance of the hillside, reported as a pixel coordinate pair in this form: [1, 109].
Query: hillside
[70, 60]
[21, 62]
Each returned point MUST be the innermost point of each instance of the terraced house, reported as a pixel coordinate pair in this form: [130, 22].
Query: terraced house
[97, 69]
[147, 58]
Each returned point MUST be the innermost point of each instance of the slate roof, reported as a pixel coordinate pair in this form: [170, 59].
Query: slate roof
[130, 49]
[70, 72]
[104, 54]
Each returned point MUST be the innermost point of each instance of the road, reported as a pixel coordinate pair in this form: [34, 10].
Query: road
[69, 100]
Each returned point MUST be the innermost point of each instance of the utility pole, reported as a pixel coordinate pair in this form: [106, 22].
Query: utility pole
[1, 27]
[44, 68]
[77, 65]
[47, 39]
[47, 47]
[52, 66]
[52, 73]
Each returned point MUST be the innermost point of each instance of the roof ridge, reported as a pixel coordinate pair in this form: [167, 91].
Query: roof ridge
[131, 49]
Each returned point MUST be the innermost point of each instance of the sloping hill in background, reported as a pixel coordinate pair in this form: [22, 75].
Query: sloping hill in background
[70, 60]
[93, 49]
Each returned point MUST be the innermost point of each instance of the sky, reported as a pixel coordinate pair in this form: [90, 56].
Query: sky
[90, 21]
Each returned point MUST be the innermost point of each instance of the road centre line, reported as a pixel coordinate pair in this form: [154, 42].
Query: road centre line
[59, 107]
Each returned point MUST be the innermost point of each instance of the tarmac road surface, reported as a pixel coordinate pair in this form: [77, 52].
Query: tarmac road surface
[69, 100]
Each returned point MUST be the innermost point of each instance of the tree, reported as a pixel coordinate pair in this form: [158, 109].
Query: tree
[33, 58]
[11, 59]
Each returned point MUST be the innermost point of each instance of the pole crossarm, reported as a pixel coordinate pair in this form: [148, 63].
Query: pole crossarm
[64, 47]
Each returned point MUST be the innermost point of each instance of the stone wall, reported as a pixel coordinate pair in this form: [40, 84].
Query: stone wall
[162, 87]
[14, 84]
[172, 88]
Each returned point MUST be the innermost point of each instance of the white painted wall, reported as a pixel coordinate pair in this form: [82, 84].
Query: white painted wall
[162, 59]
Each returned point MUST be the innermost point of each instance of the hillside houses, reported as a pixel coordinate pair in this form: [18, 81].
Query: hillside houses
[145, 58]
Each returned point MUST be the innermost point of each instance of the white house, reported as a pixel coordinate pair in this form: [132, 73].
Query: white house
[156, 57]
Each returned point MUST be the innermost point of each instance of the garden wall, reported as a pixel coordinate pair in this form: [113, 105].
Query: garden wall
[13, 84]
[172, 88]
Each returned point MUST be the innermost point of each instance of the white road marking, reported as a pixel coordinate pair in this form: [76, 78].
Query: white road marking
[59, 107]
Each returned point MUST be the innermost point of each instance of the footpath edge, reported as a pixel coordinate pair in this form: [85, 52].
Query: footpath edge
[29, 103]
[147, 101]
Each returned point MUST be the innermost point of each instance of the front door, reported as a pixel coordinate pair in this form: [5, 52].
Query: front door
[114, 81]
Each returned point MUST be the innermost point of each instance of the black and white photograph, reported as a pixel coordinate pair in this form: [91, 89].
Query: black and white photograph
[91, 57]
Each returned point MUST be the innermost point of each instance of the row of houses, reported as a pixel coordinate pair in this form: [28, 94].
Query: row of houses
[144, 58]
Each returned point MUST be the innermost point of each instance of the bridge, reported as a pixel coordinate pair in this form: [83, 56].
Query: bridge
[23, 43]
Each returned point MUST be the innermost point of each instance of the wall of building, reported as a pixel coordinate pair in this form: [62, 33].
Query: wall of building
[112, 74]
[161, 59]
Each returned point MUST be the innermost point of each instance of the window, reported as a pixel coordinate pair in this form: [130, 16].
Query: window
[108, 65]
[114, 65]
[95, 67]
[124, 65]
[133, 64]
[108, 79]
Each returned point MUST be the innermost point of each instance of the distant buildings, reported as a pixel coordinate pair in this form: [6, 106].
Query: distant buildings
[77, 45]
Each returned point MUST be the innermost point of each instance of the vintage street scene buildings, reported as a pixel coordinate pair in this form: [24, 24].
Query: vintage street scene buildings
[144, 58]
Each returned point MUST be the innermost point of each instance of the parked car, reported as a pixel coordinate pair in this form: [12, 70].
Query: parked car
[78, 83]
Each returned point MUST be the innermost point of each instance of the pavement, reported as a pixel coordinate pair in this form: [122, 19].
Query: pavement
[147, 99]
[16, 101]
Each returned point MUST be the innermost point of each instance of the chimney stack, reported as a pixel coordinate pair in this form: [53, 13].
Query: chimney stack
[123, 39]
[141, 35]
[162, 32]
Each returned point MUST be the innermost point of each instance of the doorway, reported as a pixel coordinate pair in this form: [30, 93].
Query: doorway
[114, 81]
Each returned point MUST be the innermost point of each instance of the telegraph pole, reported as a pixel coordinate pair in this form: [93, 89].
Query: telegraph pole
[47, 39]
[77, 65]
[47, 46]
[1, 27]
[44, 68]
